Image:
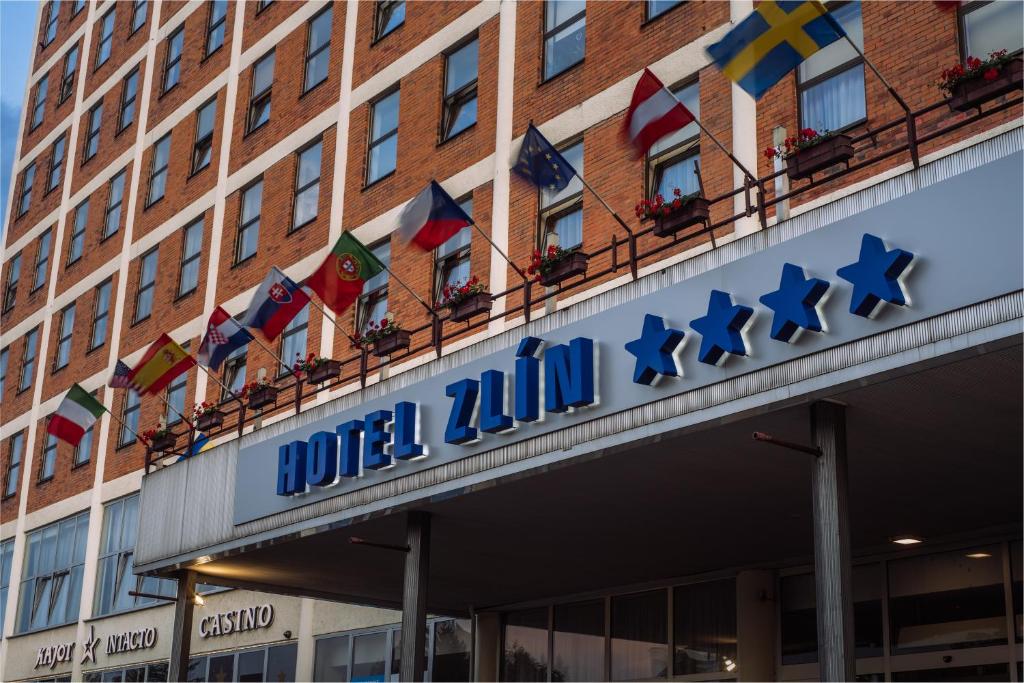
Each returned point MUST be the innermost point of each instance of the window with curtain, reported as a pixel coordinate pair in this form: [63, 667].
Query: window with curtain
[986, 27]
[639, 636]
[562, 212]
[382, 155]
[293, 340]
[373, 302]
[15, 449]
[672, 160]
[77, 243]
[51, 586]
[460, 82]
[565, 35]
[452, 259]
[318, 49]
[830, 83]
[578, 642]
[307, 185]
[112, 214]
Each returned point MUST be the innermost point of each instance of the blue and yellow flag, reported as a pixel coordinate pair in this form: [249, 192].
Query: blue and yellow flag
[199, 444]
[772, 41]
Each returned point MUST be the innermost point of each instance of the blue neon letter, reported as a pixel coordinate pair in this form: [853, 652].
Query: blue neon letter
[492, 402]
[459, 429]
[349, 433]
[374, 440]
[527, 403]
[569, 375]
[291, 468]
[322, 459]
[406, 447]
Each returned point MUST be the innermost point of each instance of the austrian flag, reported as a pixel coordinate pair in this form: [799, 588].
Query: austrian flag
[75, 415]
[654, 113]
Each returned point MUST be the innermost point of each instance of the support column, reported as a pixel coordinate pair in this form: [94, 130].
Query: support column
[414, 596]
[755, 624]
[832, 569]
[181, 632]
[486, 646]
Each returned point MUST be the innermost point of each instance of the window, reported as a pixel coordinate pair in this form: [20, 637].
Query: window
[364, 655]
[234, 372]
[388, 15]
[15, 446]
[158, 169]
[655, 8]
[704, 629]
[52, 13]
[172, 62]
[42, 260]
[215, 26]
[259, 101]
[83, 451]
[115, 577]
[49, 460]
[639, 637]
[67, 328]
[139, 11]
[76, 7]
[4, 354]
[176, 391]
[262, 5]
[28, 176]
[106, 37]
[92, 139]
[51, 586]
[383, 152]
[192, 243]
[459, 106]
[830, 82]
[249, 222]
[989, 26]
[565, 35]
[318, 50]
[100, 313]
[78, 232]
[525, 645]
[307, 185]
[274, 663]
[112, 215]
[293, 340]
[202, 151]
[451, 260]
[56, 163]
[39, 103]
[6, 557]
[147, 283]
[68, 79]
[562, 212]
[129, 91]
[28, 359]
[11, 288]
[129, 419]
[373, 302]
[671, 161]
[578, 641]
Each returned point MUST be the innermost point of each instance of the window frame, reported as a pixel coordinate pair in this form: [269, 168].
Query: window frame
[309, 56]
[105, 40]
[236, 361]
[64, 337]
[133, 28]
[11, 282]
[548, 216]
[145, 287]
[452, 104]
[78, 234]
[300, 189]
[380, 20]
[849, 64]
[287, 333]
[154, 171]
[655, 164]
[111, 206]
[179, 383]
[245, 225]
[52, 17]
[39, 102]
[25, 195]
[372, 142]
[446, 263]
[171, 62]
[97, 315]
[67, 80]
[126, 101]
[30, 584]
[187, 258]
[56, 164]
[27, 360]
[47, 458]
[5, 355]
[258, 98]
[962, 10]
[202, 145]
[77, 459]
[76, 7]
[212, 25]
[367, 300]
[92, 133]
[13, 466]
[128, 406]
[42, 264]
[547, 33]
[648, 17]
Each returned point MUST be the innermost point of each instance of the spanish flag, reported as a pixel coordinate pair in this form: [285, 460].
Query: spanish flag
[164, 360]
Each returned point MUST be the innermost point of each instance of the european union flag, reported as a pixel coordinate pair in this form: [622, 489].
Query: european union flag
[541, 164]
[772, 41]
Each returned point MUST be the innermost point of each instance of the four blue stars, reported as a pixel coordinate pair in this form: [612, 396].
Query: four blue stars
[654, 349]
[794, 303]
[721, 329]
[875, 276]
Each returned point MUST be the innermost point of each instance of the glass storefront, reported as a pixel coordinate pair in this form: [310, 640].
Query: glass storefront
[155, 671]
[274, 663]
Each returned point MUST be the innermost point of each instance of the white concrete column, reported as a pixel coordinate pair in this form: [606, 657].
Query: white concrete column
[744, 132]
[306, 650]
[487, 646]
[755, 625]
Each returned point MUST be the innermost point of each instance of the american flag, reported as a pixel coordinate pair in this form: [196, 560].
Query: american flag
[120, 378]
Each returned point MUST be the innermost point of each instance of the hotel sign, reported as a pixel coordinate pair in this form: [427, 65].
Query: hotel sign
[894, 264]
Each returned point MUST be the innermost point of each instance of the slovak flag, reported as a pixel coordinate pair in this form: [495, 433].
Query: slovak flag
[653, 113]
[431, 218]
[223, 335]
[277, 300]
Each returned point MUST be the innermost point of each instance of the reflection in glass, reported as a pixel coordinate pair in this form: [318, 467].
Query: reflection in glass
[452, 647]
[704, 628]
[526, 645]
[222, 668]
[280, 662]
[640, 636]
[368, 654]
[984, 672]
[331, 659]
[579, 642]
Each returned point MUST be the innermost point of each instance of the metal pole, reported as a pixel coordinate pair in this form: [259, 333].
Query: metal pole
[832, 566]
[174, 410]
[333, 320]
[750, 176]
[414, 596]
[181, 633]
[217, 380]
[487, 237]
[617, 217]
[276, 357]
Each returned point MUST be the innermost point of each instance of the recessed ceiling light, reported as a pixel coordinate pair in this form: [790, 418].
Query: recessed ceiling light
[906, 540]
[978, 556]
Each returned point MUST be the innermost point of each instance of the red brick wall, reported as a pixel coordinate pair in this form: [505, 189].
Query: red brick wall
[123, 46]
[66, 25]
[258, 22]
[67, 479]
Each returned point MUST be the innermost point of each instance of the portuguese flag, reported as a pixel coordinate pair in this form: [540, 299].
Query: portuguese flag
[339, 280]
[77, 412]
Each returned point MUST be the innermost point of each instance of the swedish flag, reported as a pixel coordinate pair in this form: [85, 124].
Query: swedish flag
[772, 41]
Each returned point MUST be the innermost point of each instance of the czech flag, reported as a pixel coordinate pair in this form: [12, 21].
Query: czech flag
[277, 300]
[653, 113]
[77, 412]
[223, 335]
[431, 218]
[164, 360]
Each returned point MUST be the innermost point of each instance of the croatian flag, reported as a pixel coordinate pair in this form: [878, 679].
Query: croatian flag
[431, 218]
[653, 113]
[223, 335]
[277, 300]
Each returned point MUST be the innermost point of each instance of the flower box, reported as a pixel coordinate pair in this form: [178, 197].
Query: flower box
[262, 396]
[162, 444]
[969, 94]
[833, 150]
[573, 264]
[387, 344]
[474, 304]
[696, 210]
[324, 371]
[210, 420]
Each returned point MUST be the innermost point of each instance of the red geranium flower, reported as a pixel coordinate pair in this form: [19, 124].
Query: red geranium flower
[991, 74]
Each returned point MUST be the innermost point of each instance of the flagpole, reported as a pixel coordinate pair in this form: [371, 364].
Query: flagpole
[498, 249]
[750, 176]
[334, 321]
[175, 410]
[276, 357]
[617, 217]
[118, 420]
[217, 380]
[416, 296]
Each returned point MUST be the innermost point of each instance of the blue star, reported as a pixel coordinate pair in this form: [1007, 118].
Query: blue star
[721, 328]
[875, 276]
[654, 349]
[793, 303]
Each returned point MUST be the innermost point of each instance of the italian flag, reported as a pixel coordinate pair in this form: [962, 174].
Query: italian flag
[339, 280]
[77, 412]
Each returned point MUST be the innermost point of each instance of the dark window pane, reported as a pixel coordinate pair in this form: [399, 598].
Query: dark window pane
[705, 627]
[640, 636]
[368, 657]
[526, 646]
[982, 672]
[331, 660]
[578, 642]
[452, 647]
[280, 663]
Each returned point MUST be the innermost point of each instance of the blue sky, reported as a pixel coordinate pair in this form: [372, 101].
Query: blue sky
[17, 20]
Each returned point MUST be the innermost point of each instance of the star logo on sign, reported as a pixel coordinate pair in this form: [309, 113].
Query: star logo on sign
[655, 350]
[89, 646]
[876, 276]
[721, 330]
[794, 303]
